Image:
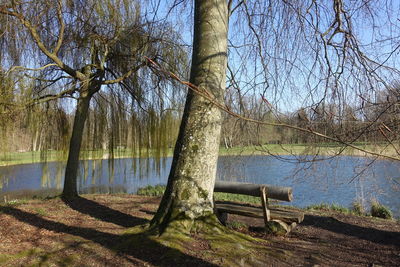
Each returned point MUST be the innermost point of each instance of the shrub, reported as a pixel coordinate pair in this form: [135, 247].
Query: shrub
[358, 208]
[380, 211]
[151, 191]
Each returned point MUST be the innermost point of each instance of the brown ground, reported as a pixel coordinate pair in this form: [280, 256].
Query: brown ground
[89, 232]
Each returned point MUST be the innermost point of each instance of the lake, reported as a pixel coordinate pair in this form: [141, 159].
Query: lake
[339, 180]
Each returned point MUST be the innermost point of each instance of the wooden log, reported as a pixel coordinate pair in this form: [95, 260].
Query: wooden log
[240, 210]
[286, 215]
[275, 192]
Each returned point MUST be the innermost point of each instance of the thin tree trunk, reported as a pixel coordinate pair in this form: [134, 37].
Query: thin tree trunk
[189, 192]
[36, 140]
[40, 141]
[70, 183]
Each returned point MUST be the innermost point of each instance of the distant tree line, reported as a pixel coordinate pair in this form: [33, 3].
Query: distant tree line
[47, 126]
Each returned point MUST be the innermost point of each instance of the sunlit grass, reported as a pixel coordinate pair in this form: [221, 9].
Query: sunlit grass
[327, 207]
[15, 158]
[323, 149]
[377, 209]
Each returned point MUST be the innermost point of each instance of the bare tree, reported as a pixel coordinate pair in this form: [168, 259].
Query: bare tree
[315, 55]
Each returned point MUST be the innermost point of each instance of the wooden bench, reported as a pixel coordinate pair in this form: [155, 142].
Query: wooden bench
[277, 219]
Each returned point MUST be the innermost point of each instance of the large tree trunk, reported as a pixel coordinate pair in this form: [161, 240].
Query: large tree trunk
[189, 192]
[71, 171]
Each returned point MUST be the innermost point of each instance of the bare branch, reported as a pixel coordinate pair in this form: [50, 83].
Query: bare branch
[14, 68]
[62, 28]
[126, 75]
[36, 37]
[207, 95]
[66, 93]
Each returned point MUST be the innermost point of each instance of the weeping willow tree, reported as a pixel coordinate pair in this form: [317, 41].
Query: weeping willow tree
[76, 48]
[7, 99]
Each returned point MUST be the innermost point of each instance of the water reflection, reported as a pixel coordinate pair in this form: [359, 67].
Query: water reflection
[104, 189]
[341, 180]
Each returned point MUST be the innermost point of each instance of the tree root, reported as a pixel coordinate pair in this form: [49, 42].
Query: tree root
[220, 246]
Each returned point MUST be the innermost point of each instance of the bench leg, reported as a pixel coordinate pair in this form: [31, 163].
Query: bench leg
[264, 203]
[279, 227]
[222, 217]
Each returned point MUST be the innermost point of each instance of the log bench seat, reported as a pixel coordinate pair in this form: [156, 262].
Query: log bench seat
[277, 219]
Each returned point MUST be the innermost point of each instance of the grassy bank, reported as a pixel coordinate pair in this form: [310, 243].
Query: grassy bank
[323, 149]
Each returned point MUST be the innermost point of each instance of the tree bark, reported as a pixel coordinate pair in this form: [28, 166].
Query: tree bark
[70, 189]
[189, 191]
[275, 192]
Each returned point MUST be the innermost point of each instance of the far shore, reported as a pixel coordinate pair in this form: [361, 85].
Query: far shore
[29, 157]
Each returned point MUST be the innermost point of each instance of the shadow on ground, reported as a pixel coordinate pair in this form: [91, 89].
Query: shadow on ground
[370, 234]
[102, 212]
[146, 250]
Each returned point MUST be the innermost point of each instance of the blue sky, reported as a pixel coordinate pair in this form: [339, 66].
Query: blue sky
[292, 77]
[293, 73]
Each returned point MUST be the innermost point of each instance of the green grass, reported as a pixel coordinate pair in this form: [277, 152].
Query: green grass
[5, 258]
[42, 212]
[377, 210]
[158, 190]
[265, 149]
[15, 158]
[235, 225]
[338, 208]
[322, 149]
[14, 202]
[321, 206]
[237, 198]
[327, 207]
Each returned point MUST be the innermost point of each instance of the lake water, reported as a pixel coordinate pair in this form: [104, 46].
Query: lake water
[340, 180]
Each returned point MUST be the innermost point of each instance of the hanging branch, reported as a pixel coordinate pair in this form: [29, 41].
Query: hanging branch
[207, 95]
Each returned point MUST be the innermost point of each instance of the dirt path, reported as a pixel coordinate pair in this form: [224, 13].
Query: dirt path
[89, 232]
